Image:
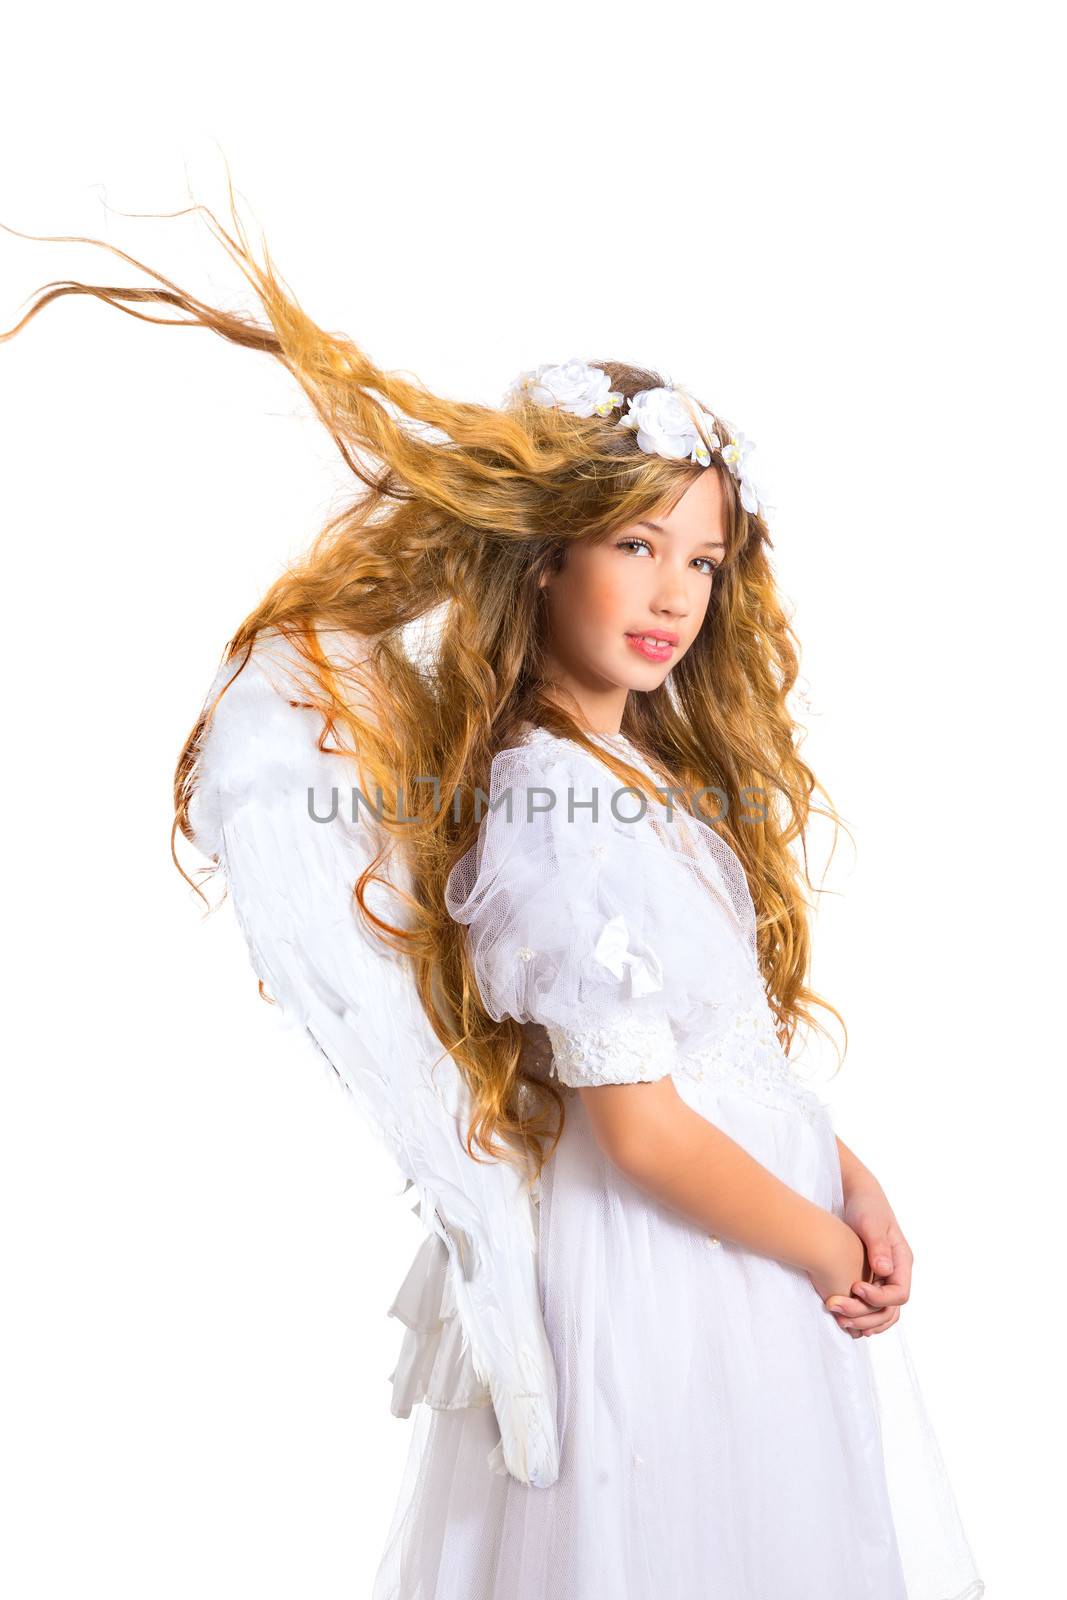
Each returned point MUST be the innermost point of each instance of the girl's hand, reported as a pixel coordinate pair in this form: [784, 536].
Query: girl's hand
[876, 1296]
[842, 1263]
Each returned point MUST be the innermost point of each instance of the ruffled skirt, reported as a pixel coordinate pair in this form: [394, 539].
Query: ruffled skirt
[720, 1435]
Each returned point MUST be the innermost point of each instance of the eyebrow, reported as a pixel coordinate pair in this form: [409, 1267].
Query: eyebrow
[708, 544]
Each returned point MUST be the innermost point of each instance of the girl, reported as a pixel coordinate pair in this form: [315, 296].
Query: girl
[502, 779]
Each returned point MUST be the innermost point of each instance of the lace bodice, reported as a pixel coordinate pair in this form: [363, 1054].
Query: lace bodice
[748, 1056]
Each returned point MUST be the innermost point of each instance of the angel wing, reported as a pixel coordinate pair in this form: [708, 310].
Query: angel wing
[290, 879]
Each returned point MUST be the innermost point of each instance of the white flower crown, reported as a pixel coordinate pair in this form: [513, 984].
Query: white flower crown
[665, 424]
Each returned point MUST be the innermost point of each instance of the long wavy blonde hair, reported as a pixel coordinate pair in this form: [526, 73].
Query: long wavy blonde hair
[462, 508]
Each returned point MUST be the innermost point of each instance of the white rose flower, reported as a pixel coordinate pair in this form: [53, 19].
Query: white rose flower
[667, 421]
[573, 386]
[734, 454]
[665, 426]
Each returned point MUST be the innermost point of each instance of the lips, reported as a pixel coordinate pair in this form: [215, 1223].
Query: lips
[653, 646]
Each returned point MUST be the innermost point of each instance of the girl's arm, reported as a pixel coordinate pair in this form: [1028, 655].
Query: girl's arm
[854, 1175]
[680, 1158]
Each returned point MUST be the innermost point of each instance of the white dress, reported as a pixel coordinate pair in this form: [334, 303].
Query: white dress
[720, 1436]
[610, 1404]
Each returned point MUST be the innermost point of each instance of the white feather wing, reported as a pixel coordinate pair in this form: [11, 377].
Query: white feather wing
[290, 880]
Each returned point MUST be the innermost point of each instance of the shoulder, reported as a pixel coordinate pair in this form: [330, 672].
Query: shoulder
[545, 781]
[539, 750]
[570, 771]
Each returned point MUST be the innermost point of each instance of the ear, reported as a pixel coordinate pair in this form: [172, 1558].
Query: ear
[552, 569]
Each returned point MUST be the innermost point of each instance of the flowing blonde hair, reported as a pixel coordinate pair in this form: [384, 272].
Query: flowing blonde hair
[462, 508]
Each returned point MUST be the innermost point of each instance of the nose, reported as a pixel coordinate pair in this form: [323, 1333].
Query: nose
[671, 598]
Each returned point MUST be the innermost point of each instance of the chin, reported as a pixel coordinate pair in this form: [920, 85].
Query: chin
[645, 674]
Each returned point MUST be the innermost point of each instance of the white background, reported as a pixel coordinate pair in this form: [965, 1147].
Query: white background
[839, 226]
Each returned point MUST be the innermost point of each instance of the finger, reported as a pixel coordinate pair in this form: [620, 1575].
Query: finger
[876, 1295]
[874, 1321]
[902, 1264]
[880, 1254]
[882, 1327]
[866, 1333]
[850, 1304]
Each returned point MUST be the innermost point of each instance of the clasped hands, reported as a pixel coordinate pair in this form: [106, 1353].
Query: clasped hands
[883, 1283]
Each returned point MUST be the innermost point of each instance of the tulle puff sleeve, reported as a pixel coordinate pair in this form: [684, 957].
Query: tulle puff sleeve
[623, 928]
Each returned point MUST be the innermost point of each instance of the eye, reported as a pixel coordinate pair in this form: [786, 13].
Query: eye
[624, 544]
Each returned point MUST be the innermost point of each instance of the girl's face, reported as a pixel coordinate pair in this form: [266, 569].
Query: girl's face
[621, 614]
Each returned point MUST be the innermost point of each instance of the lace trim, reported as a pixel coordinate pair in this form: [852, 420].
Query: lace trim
[635, 1048]
[631, 1048]
[749, 1056]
